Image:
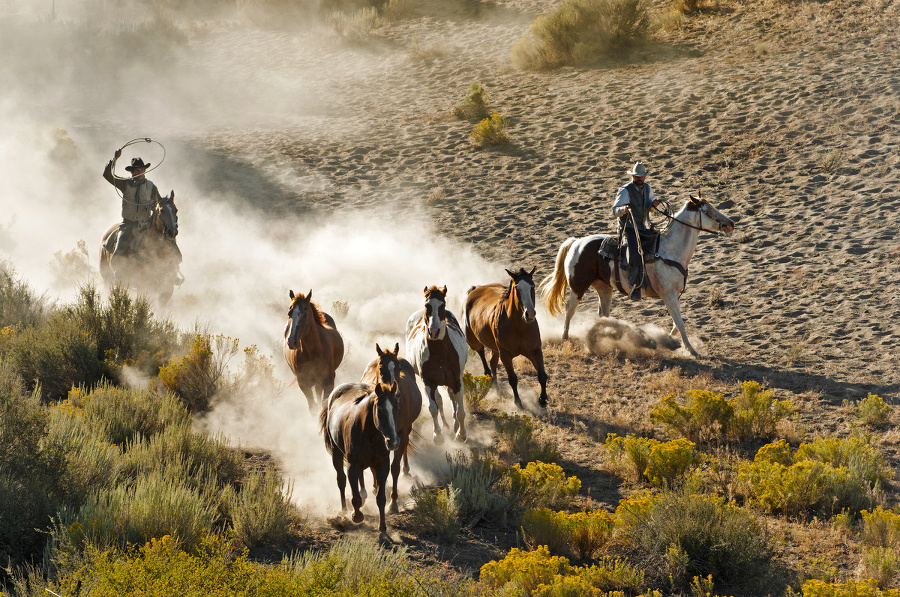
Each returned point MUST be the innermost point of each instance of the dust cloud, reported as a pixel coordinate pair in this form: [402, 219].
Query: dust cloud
[80, 82]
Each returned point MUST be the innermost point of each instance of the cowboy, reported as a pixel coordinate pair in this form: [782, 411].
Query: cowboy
[139, 198]
[632, 208]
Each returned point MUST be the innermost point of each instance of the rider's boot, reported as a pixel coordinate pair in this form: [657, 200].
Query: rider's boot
[634, 280]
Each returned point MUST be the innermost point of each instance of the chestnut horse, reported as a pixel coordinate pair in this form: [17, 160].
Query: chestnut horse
[580, 265]
[313, 347]
[153, 266]
[389, 368]
[504, 320]
[436, 346]
[359, 423]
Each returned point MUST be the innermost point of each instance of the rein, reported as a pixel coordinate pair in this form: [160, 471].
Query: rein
[700, 228]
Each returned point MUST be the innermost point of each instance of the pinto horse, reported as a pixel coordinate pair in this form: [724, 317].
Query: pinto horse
[153, 267]
[313, 347]
[390, 368]
[436, 346]
[504, 320]
[359, 423]
[580, 265]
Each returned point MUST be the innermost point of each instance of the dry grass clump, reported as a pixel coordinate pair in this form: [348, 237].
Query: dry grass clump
[474, 106]
[582, 32]
[357, 27]
[491, 132]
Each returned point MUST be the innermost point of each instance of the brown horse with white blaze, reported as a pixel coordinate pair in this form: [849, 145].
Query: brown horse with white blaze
[359, 423]
[390, 368]
[503, 319]
[580, 265]
[313, 347]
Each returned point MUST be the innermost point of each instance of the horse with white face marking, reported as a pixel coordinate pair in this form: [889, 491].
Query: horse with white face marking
[390, 368]
[580, 266]
[504, 320]
[313, 348]
[436, 347]
[359, 423]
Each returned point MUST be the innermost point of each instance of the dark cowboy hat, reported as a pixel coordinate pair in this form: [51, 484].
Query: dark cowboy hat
[136, 163]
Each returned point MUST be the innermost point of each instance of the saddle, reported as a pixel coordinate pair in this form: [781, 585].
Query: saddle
[611, 249]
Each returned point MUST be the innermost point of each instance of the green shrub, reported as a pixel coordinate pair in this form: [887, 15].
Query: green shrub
[716, 538]
[54, 356]
[879, 564]
[663, 464]
[582, 32]
[491, 132]
[474, 106]
[74, 267]
[515, 437]
[474, 486]
[358, 26]
[154, 506]
[261, 512]
[866, 588]
[707, 417]
[881, 528]
[476, 388]
[857, 454]
[196, 377]
[435, 513]
[19, 305]
[525, 569]
[871, 410]
[540, 485]
[119, 415]
[580, 534]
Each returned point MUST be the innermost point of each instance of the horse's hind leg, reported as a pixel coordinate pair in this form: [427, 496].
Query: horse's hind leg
[537, 359]
[571, 305]
[337, 459]
[484, 363]
[604, 294]
[435, 407]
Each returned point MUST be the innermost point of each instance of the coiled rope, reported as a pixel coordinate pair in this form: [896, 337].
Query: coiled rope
[132, 142]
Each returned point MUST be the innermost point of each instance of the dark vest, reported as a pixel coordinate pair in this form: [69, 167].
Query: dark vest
[637, 200]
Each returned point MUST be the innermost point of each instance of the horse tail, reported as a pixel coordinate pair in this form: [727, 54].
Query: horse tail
[553, 287]
[323, 426]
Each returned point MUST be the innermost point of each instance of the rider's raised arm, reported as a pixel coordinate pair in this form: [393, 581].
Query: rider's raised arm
[119, 183]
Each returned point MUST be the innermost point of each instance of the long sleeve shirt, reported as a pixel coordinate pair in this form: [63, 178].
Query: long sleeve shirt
[624, 199]
[139, 197]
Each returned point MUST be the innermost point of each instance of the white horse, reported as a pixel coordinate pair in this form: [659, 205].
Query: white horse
[580, 265]
[436, 347]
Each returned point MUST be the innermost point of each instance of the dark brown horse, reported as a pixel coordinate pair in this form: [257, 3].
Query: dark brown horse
[504, 320]
[436, 346]
[389, 368]
[359, 423]
[312, 347]
[152, 268]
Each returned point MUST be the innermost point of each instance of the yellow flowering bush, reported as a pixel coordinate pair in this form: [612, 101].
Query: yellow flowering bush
[540, 485]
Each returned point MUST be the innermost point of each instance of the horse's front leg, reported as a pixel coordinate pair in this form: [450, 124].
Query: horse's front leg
[434, 406]
[571, 305]
[672, 304]
[511, 375]
[355, 475]
[484, 364]
[537, 360]
[459, 411]
[310, 394]
[380, 498]
[399, 455]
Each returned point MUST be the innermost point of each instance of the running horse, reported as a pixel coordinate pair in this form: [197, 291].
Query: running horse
[313, 348]
[504, 320]
[359, 423]
[386, 369]
[436, 346]
[153, 266]
[580, 265]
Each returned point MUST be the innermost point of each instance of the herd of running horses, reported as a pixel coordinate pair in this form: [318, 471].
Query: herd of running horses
[364, 423]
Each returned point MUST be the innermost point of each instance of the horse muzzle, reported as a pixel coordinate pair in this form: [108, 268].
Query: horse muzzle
[728, 227]
[529, 316]
[392, 444]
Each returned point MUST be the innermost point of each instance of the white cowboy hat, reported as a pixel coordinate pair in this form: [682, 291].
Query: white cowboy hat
[639, 169]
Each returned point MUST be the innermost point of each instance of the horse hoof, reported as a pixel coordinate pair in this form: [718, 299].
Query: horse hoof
[542, 402]
[357, 517]
[405, 471]
[395, 509]
[519, 404]
[438, 439]
[461, 437]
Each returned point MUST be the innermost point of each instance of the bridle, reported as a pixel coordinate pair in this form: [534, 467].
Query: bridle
[699, 203]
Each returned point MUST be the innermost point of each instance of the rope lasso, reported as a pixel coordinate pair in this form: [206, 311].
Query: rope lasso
[132, 142]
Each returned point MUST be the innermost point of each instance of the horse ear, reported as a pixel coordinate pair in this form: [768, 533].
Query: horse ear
[397, 348]
[534, 269]
[291, 294]
[426, 291]
[172, 195]
[444, 290]
[378, 349]
[511, 275]
[309, 295]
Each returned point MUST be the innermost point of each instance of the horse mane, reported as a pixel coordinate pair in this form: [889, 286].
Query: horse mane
[508, 290]
[429, 292]
[316, 313]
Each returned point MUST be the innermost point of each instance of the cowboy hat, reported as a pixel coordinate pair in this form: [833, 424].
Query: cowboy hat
[639, 169]
[136, 163]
